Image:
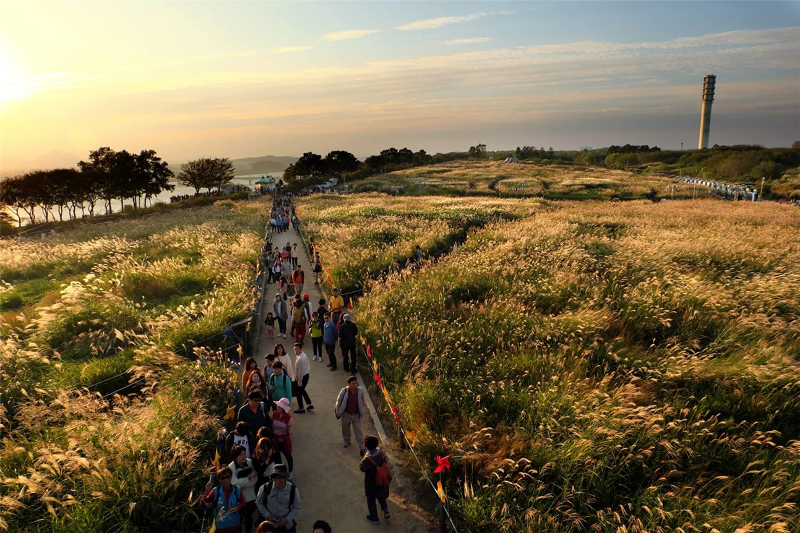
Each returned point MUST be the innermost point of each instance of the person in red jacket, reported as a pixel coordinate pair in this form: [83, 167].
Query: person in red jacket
[298, 278]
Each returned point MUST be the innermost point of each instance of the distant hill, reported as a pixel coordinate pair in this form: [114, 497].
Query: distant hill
[253, 165]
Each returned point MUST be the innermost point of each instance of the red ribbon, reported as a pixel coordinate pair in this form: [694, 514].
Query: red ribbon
[369, 352]
[378, 380]
[396, 416]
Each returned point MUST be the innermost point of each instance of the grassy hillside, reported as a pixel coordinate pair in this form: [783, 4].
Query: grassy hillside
[100, 307]
[603, 366]
[362, 236]
[494, 178]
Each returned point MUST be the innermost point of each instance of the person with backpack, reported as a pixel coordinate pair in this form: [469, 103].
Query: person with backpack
[377, 478]
[316, 336]
[241, 436]
[255, 412]
[299, 319]
[226, 501]
[245, 477]
[278, 501]
[280, 384]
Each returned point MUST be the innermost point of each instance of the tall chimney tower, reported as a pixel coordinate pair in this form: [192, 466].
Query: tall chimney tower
[709, 82]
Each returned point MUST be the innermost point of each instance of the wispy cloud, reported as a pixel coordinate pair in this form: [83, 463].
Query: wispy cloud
[428, 24]
[471, 40]
[348, 34]
[284, 49]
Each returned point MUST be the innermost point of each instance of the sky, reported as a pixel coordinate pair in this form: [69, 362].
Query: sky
[238, 79]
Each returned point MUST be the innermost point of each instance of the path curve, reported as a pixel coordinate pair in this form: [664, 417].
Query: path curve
[327, 475]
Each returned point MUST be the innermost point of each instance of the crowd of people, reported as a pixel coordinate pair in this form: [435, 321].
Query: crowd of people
[252, 488]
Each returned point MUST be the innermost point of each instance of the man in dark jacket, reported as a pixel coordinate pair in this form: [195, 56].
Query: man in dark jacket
[348, 332]
[255, 412]
[373, 459]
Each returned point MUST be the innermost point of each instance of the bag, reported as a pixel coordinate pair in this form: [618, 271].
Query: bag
[299, 314]
[383, 476]
[268, 489]
[231, 520]
[244, 472]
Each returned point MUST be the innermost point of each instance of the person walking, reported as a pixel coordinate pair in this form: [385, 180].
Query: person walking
[295, 254]
[255, 412]
[244, 477]
[280, 355]
[350, 407]
[226, 501]
[303, 371]
[298, 279]
[348, 333]
[317, 268]
[377, 478]
[315, 329]
[329, 336]
[281, 313]
[299, 320]
[278, 501]
[282, 428]
[280, 384]
[336, 304]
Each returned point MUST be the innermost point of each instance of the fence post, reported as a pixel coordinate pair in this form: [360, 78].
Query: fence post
[442, 518]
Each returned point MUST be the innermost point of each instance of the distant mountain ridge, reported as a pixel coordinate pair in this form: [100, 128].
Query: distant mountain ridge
[55, 159]
[253, 165]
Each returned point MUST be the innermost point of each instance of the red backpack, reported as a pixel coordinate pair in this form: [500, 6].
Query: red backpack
[383, 476]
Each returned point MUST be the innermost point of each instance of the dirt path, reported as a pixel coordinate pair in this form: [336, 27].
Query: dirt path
[327, 475]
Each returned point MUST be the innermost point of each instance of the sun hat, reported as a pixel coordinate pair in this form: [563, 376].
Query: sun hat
[284, 404]
[280, 470]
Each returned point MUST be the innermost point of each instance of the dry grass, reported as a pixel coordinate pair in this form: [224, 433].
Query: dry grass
[74, 462]
[553, 182]
[606, 367]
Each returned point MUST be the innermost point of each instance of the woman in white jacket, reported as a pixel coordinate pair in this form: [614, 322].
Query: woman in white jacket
[246, 477]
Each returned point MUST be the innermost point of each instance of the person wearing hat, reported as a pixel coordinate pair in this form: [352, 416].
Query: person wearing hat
[278, 500]
[336, 304]
[282, 429]
[348, 333]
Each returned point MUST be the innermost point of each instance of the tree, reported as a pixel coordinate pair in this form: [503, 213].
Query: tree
[222, 172]
[100, 166]
[338, 162]
[307, 170]
[196, 174]
[11, 196]
[376, 163]
[152, 174]
[478, 151]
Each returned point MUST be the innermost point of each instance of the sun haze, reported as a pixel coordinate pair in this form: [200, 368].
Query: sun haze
[235, 79]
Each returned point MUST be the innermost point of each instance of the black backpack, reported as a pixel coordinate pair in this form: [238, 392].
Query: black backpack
[268, 489]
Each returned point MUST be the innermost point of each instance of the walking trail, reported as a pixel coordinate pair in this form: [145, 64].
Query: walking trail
[327, 475]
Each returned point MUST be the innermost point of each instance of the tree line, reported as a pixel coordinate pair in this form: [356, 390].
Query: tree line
[104, 177]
